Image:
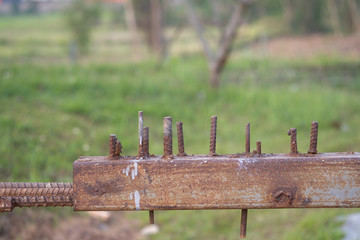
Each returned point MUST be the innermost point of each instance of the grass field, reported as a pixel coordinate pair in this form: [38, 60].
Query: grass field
[52, 112]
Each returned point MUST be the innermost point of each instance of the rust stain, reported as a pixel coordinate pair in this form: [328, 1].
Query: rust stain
[222, 182]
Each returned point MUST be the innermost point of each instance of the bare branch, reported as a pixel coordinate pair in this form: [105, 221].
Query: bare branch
[194, 21]
[229, 35]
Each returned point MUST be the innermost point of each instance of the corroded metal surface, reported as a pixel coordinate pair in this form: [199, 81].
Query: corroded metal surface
[21, 194]
[167, 129]
[180, 135]
[239, 181]
[178, 182]
[313, 138]
[213, 126]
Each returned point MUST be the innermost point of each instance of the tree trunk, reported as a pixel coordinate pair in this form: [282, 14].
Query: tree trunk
[214, 77]
[288, 11]
[216, 61]
[334, 16]
[132, 26]
[230, 34]
[156, 28]
[354, 14]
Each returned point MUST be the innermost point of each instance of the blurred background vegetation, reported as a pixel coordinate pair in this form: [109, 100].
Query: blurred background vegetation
[72, 72]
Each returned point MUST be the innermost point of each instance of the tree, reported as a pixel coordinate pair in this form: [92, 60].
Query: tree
[354, 14]
[217, 58]
[80, 18]
[132, 25]
[150, 19]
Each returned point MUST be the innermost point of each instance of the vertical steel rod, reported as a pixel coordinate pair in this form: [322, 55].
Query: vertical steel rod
[247, 138]
[118, 148]
[146, 142]
[180, 136]
[140, 128]
[151, 217]
[293, 142]
[167, 128]
[244, 213]
[212, 149]
[258, 147]
[313, 138]
[112, 145]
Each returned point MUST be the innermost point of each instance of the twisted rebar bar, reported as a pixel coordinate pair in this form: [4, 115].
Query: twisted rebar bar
[26, 194]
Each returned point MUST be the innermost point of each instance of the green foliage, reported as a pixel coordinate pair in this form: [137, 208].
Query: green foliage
[81, 17]
[308, 16]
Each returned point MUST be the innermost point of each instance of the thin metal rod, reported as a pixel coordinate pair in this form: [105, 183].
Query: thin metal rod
[146, 142]
[118, 148]
[293, 142]
[258, 147]
[180, 136]
[244, 213]
[212, 148]
[112, 146]
[247, 138]
[22, 194]
[313, 138]
[167, 128]
[151, 217]
[140, 129]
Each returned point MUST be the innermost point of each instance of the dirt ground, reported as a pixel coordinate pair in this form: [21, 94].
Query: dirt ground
[39, 224]
[310, 46]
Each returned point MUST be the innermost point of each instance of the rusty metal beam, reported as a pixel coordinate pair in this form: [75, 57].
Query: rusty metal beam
[239, 181]
[179, 182]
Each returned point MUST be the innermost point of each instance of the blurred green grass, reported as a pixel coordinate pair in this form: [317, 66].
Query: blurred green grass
[55, 112]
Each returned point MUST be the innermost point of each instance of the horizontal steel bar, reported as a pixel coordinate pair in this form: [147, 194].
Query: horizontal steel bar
[34, 194]
[218, 182]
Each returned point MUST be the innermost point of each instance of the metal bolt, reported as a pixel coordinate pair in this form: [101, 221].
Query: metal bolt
[167, 128]
[151, 217]
[258, 147]
[180, 136]
[146, 142]
[244, 213]
[293, 143]
[313, 138]
[213, 127]
[283, 196]
[141, 127]
[247, 138]
[112, 146]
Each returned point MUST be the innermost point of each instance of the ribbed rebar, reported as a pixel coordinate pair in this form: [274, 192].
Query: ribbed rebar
[35, 185]
[180, 136]
[112, 146]
[53, 201]
[313, 138]
[212, 148]
[247, 138]
[34, 192]
[293, 142]
[118, 148]
[26, 194]
[167, 128]
[146, 142]
[258, 147]
[140, 129]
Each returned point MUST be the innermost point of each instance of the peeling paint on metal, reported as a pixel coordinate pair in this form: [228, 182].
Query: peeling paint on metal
[136, 168]
[137, 200]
